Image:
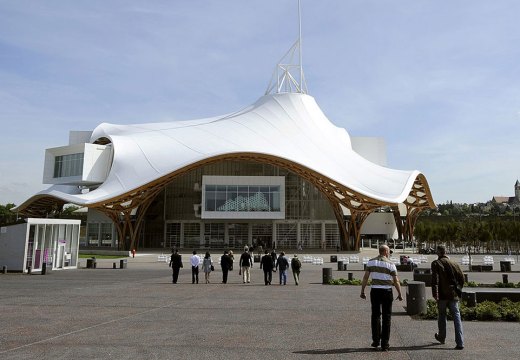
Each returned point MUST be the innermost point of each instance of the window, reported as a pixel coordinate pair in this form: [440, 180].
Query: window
[68, 165]
[106, 234]
[93, 234]
[243, 197]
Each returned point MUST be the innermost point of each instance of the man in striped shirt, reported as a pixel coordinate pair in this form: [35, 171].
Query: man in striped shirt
[384, 276]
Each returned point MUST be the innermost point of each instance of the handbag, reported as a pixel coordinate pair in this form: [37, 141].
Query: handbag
[212, 268]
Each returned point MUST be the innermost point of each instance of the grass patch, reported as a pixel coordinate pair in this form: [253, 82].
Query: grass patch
[87, 256]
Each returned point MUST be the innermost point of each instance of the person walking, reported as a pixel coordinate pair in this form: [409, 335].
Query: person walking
[207, 266]
[274, 257]
[282, 264]
[232, 257]
[226, 264]
[246, 263]
[384, 276]
[175, 264]
[447, 282]
[296, 265]
[195, 261]
[267, 265]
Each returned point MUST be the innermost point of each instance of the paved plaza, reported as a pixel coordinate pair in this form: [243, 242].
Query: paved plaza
[137, 313]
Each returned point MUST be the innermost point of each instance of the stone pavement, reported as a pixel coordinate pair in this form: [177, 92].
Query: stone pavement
[137, 313]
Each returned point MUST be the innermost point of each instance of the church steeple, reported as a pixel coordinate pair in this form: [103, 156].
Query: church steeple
[517, 191]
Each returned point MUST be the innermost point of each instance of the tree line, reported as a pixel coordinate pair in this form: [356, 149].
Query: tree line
[476, 234]
[9, 217]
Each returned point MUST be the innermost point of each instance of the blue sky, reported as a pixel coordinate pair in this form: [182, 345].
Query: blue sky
[439, 80]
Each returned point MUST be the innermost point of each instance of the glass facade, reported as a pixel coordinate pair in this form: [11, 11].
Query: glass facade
[55, 244]
[68, 165]
[242, 198]
[243, 192]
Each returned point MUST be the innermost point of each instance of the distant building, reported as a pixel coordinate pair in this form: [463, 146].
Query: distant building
[509, 200]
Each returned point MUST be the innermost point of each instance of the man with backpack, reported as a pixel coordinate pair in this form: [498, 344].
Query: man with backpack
[296, 265]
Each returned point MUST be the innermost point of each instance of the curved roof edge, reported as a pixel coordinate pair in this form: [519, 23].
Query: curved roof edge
[289, 129]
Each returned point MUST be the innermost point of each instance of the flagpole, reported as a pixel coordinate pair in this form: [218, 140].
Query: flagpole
[300, 44]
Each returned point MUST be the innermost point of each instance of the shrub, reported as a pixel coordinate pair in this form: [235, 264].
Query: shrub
[471, 284]
[467, 313]
[510, 310]
[431, 310]
[342, 281]
[488, 310]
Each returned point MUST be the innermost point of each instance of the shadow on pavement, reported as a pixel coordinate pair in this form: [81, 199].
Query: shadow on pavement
[432, 346]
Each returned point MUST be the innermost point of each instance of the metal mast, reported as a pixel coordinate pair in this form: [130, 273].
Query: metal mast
[284, 79]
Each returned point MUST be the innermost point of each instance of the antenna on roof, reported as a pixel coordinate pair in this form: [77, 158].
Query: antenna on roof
[284, 79]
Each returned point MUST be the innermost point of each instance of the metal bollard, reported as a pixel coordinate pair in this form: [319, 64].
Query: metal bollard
[29, 270]
[505, 278]
[350, 276]
[465, 278]
[4, 269]
[113, 265]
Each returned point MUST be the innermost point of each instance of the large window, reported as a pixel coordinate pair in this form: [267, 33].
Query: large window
[93, 234]
[68, 165]
[243, 197]
[106, 234]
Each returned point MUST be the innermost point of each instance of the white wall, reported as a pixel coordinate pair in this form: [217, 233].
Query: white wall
[380, 223]
[371, 148]
[79, 137]
[97, 161]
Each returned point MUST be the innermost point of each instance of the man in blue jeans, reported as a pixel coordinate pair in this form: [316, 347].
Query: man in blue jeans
[447, 280]
[282, 264]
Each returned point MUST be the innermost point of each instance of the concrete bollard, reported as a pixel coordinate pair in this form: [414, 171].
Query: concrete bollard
[327, 275]
[415, 298]
[505, 279]
[470, 297]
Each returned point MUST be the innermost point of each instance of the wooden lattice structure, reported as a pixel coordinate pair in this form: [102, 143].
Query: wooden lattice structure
[127, 210]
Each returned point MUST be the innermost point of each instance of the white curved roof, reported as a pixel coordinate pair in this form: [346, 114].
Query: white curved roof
[289, 126]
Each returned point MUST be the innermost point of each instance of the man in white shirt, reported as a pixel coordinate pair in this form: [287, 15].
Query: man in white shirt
[195, 261]
[384, 277]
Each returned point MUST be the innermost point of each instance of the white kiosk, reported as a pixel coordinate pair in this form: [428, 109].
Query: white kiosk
[53, 242]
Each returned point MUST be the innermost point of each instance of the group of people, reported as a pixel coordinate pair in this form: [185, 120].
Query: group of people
[269, 263]
[447, 282]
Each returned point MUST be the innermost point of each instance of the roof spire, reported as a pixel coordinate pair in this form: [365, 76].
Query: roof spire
[288, 74]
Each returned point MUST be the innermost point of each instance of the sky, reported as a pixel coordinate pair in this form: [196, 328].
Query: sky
[438, 80]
